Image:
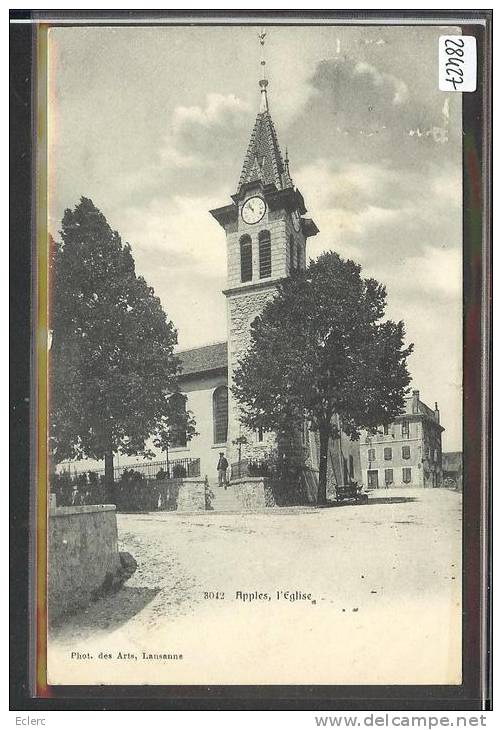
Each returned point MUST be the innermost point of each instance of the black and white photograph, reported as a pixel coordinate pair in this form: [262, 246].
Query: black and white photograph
[255, 342]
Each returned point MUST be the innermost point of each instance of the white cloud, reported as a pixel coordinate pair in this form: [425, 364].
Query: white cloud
[171, 157]
[346, 204]
[447, 185]
[217, 109]
[182, 230]
[198, 134]
[435, 274]
[352, 185]
[438, 271]
[401, 92]
[181, 251]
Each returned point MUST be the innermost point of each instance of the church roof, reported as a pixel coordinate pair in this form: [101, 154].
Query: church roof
[263, 161]
[203, 359]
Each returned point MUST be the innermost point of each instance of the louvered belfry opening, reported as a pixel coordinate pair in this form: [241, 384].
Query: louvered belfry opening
[246, 259]
[265, 252]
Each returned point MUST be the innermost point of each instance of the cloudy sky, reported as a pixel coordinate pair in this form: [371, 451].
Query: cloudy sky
[153, 123]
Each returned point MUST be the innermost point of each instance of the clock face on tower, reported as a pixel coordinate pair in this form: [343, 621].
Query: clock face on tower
[253, 210]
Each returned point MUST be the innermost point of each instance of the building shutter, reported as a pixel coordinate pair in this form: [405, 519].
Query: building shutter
[246, 259]
[265, 252]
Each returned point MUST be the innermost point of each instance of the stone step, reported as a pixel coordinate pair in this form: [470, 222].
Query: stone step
[225, 500]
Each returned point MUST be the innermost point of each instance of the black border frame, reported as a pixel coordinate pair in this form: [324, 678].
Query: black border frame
[475, 692]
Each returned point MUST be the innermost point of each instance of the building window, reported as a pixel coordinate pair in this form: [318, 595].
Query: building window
[405, 430]
[371, 454]
[387, 454]
[386, 429]
[406, 475]
[389, 477]
[220, 414]
[259, 434]
[178, 403]
[246, 258]
[291, 254]
[299, 257]
[406, 452]
[265, 252]
[373, 479]
[351, 466]
[436, 459]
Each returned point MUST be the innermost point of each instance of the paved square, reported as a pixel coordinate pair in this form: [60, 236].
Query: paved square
[346, 594]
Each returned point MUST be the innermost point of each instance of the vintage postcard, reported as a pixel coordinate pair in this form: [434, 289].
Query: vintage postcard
[254, 314]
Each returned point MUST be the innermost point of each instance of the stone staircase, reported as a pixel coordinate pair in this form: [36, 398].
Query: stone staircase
[225, 500]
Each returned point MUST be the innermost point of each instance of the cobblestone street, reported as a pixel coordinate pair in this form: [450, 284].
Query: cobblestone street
[377, 592]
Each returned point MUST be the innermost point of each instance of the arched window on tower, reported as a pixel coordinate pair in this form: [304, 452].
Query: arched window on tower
[220, 414]
[265, 254]
[299, 257]
[291, 254]
[178, 433]
[246, 259]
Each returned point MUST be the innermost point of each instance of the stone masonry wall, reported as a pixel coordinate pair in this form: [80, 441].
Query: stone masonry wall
[255, 493]
[83, 554]
[250, 493]
[242, 310]
[183, 495]
[191, 496]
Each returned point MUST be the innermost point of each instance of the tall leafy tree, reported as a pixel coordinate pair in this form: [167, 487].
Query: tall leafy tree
[112, 362]
[321, 348]
[177, 425]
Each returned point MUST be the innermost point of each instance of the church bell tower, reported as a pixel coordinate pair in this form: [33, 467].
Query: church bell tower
[266, 235]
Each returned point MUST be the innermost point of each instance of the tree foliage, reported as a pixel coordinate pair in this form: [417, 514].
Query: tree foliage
[111, 359]
[176, 421]
[321, 348]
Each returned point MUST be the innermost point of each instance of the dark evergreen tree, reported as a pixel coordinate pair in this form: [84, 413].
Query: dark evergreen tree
[111, 359]
[321, 347]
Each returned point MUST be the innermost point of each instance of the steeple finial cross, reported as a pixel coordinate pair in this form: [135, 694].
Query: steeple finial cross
[263, 81]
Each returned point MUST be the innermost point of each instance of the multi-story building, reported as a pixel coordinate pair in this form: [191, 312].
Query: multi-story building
[406, 452]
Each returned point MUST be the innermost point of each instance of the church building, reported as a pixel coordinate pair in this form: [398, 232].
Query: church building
[266, 232]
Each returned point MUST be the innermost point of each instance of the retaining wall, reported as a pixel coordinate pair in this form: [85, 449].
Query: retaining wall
[259, 492]
[83, 555]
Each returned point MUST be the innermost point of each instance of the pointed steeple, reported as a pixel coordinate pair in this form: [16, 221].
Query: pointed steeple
[263, 161]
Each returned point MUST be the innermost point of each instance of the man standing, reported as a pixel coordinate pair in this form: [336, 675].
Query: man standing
[222, 470]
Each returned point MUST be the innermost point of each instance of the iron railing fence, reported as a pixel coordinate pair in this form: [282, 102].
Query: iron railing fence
[172, 469]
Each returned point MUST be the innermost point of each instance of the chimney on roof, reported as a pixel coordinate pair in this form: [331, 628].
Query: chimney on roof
[414, 402]
[436, 412]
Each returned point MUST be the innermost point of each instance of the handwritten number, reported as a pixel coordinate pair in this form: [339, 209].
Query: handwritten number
[454, 50]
